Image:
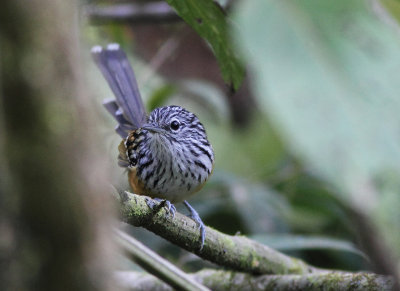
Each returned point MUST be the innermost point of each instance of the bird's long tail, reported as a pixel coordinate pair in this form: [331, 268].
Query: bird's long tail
[127, 108]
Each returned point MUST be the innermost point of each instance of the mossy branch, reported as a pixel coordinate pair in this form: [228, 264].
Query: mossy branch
[234, 252]
[245, 257]
[229, 280]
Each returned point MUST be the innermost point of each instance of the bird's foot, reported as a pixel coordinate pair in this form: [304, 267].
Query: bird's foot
[195, 216]
[161, 203]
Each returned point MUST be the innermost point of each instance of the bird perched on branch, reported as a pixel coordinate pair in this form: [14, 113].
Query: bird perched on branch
[167, 153]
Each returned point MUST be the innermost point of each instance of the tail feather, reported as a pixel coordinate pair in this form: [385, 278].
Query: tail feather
[121, 132]
[111, 105]
[128, 108]
[113, 108]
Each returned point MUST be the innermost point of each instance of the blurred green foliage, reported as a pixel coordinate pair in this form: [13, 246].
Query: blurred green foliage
[325, 137]
[327, 74]
[159, 96]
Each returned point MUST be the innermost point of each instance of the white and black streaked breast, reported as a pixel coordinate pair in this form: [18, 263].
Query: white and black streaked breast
[175, 159]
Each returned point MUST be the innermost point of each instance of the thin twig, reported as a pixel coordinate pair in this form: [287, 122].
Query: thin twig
[133, 13]
[136, 13]
[162, 55]
[156, 265]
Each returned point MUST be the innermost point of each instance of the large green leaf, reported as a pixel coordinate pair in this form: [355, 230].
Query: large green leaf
[328, 75]
[208, 19]
[290, 242]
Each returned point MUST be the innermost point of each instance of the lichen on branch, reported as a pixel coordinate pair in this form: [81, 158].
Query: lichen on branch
[234, 252]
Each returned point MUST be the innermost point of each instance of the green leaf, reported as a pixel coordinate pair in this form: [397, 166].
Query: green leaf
[327, 74]
[392, 6]
[208, 19]
[288, 242]
[261, 208]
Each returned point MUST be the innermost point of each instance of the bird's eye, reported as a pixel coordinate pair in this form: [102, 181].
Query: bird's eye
[175, 125]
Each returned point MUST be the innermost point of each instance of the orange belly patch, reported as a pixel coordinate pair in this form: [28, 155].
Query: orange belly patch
[136, 185]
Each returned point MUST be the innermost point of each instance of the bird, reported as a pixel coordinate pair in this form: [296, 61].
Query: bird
[167, 153]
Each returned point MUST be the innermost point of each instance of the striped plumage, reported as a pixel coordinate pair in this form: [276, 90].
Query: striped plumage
[167, 154]
[169, 157]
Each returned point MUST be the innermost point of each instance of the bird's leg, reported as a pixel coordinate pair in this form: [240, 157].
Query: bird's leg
[195, 216]
[161, 203]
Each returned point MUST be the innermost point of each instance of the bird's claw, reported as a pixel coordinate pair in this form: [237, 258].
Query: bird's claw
[170, 208]
[161, 203]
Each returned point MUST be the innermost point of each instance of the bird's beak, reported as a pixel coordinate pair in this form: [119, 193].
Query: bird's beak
[153, 128]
